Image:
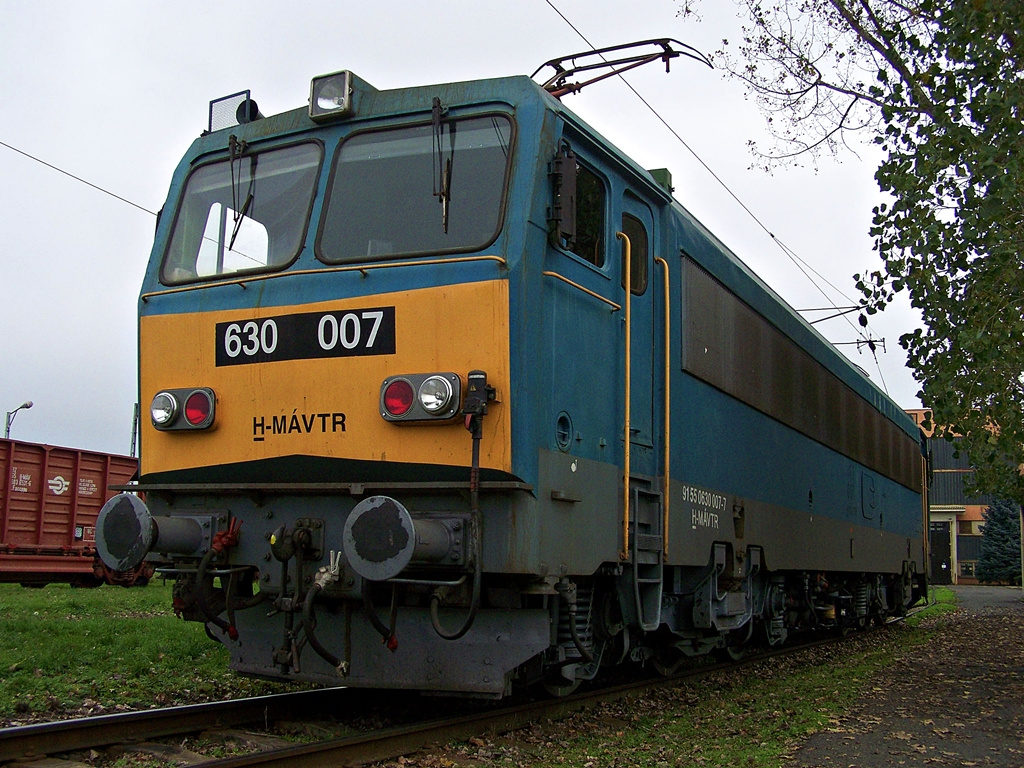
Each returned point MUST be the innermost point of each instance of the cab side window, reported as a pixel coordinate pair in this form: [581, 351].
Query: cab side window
[634, 229]
[590, 205]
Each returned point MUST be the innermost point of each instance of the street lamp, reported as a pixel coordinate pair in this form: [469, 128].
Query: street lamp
[12, 414]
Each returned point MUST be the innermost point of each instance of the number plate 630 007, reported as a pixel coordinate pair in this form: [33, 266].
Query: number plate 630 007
[348, 333]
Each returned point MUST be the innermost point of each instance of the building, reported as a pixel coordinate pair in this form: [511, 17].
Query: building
[955, 519]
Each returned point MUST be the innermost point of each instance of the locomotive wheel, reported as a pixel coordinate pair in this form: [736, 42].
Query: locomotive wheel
[557, 686]
[667, 661]
[735, 647]
[731, 653]
[559, 689]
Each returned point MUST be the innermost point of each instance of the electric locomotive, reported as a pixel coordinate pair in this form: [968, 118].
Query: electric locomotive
[446, 393]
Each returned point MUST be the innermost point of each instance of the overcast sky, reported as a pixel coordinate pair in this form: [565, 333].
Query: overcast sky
[114, 92]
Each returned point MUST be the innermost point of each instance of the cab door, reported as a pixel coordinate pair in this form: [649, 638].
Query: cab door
[636, 222]
[643, 524]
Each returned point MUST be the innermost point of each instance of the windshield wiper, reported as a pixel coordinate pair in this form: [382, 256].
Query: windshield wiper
[235, 150]
[443, 177]
[239, 217]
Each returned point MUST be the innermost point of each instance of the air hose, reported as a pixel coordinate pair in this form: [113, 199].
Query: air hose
[473, 420]
[221, 541]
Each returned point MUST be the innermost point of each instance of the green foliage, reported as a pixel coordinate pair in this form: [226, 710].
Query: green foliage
[1000, 544]
[941, 87]
[952, 235]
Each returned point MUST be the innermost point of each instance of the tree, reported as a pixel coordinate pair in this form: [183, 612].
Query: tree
[939, 86]
[1000, 544]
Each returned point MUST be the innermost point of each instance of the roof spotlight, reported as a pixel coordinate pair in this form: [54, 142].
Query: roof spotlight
[330, 96]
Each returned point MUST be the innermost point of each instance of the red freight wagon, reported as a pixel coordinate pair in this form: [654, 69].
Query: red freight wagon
[48, 507]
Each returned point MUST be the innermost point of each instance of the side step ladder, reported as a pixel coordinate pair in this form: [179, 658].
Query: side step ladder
[648, 556]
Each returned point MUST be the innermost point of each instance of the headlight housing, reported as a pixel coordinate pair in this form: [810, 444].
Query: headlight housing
[435, 395]
[183, 409]
[330, 96]
[421, 397]
[163, 410]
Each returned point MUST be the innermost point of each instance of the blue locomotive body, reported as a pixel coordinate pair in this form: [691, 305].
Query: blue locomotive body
[440, 367]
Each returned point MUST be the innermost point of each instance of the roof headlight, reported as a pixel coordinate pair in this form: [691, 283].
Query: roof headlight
[163, 409]
[330, 96]
[435, 395]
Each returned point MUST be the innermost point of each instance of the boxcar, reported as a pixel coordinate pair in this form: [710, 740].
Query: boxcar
[446, 393]
[48, 509]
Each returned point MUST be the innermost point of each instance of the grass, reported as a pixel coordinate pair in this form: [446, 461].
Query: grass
[69, 652]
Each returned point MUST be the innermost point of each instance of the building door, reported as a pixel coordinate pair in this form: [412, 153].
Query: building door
[941, 565]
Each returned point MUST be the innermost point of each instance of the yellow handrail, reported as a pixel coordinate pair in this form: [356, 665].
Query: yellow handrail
[668, 400]
[627, 271]
[615, 307]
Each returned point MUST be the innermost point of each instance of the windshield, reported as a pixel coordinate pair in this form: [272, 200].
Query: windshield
[419, 189]
[244, 214]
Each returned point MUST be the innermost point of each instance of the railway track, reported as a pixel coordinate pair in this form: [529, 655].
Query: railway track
[136, 730]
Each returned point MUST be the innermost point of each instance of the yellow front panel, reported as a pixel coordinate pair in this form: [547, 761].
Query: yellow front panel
[329, 406]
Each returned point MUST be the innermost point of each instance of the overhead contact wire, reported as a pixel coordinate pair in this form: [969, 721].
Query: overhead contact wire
[77, 178]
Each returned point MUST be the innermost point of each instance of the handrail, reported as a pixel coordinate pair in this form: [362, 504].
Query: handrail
[364, 268]
[615, 307]
[627, 274]
[668, 402]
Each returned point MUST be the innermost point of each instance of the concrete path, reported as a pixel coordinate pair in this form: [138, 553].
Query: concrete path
[957, 699]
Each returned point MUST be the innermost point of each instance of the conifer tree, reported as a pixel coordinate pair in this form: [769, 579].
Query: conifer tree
[1000, 544]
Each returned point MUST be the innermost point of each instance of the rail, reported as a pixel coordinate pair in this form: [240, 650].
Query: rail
[85, 733]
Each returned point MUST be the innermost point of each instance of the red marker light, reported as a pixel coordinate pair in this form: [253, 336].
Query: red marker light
[398, 397]
[198, 408]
